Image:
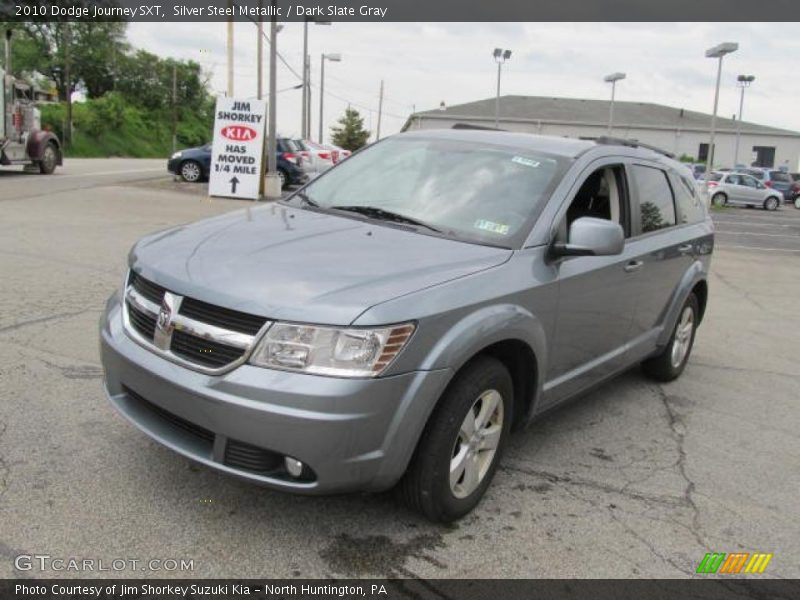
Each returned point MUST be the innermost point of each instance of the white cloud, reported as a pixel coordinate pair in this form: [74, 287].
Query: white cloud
[425, 63]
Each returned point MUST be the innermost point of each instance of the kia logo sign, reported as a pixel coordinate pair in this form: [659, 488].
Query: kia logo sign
[239, 133]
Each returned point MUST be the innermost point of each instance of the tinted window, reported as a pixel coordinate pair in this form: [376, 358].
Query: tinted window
[656, 204]
[715, 177]
[687, 200]
[733, 179]
[749, 181]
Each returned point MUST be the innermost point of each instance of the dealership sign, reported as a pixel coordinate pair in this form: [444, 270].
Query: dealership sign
[238, 148]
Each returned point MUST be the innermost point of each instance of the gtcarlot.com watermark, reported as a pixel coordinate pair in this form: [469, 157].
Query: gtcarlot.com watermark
[46, 562]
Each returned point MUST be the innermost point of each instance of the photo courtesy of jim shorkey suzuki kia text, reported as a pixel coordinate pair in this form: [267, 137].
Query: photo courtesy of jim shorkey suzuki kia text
[319, 299]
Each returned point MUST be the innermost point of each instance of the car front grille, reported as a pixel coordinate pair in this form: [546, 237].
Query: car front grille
[199, 335]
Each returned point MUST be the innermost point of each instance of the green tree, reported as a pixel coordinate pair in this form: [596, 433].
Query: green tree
[95, 48]
[350, 133]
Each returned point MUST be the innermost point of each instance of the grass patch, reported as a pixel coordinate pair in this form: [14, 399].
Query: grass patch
[110, 127]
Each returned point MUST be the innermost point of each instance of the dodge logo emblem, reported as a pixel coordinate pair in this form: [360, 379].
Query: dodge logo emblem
[164, 322]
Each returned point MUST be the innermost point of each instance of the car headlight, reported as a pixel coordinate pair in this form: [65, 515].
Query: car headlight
[176, 155]
[338, 352]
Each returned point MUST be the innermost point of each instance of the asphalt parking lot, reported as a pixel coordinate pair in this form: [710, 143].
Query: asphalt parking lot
[634, 480]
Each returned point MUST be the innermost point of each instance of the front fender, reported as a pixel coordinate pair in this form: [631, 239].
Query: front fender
[37, 142]
[693, 275]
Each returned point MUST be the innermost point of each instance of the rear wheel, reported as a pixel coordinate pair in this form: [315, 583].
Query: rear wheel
[191, 171]
[669, 364]
[797, 202]
[462, 443]
[47, 164]
[771, 203]
[719, 199]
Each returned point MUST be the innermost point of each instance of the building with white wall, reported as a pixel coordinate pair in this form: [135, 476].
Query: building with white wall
[682, 132]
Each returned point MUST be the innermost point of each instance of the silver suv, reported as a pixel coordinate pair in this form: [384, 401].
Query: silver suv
[392, 321]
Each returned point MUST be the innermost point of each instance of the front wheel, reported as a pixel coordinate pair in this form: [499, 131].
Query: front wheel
[771, 203]
[671, 362]
[458, 453]
[47, 164]
[191, 171]
[719, 199]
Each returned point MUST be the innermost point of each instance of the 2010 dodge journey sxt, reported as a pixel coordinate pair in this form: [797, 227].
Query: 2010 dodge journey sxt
[389, 323]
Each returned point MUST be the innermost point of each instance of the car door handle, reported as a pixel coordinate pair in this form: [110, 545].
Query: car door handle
[685, 249]
[633, 265]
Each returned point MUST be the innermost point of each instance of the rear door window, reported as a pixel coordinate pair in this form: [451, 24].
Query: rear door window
[656, 202]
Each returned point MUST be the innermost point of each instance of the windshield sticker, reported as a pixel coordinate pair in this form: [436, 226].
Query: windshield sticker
[491, 226]
[521, 160]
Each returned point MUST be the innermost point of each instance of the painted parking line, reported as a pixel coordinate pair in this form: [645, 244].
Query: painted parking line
[759, 234]
[762, 249]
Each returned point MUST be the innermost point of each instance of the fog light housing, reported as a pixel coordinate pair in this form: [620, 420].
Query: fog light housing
[293, 466]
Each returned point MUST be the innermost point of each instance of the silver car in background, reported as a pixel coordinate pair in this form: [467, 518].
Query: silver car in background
[316, 158]
[743, 190]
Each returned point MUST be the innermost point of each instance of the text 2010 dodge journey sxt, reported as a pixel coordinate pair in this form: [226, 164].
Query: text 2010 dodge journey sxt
[392, 321]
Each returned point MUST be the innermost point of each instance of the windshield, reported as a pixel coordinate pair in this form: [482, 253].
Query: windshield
[476, 192]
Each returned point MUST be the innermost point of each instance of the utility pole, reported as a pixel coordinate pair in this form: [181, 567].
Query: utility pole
[308, 105]
[260, 52]
[230, 51]
[304, 133]
[321, 94]
[68, 82]
[174, 107]
[743, 81]
[380, 112]
[273, 187]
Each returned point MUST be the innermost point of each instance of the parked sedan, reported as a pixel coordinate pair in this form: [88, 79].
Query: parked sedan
[741, 189]
[194, 165]
[317, 159]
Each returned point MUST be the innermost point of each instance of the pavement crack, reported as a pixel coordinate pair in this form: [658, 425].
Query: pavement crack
[744, 294]
[46, 319]
[595, 485]
[75, 371]
[5, 470]
[678, 431]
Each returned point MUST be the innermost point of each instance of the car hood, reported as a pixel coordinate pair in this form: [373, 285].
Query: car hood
[300, 265]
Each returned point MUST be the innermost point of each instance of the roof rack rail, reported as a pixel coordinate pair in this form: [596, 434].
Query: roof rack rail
[612, 141]
[469, 126]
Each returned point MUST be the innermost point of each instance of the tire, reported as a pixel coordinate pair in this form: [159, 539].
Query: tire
[284, 178]
[771, 203]
[719, 199]
[671, 362]
[797, 202]
[49, 159]
[426, 487]
[191, 171]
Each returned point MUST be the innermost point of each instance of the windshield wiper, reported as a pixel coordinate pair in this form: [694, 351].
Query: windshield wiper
[381, 214]
[307, 201]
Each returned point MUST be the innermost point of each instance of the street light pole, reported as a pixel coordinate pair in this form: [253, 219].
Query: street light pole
[612, 79]
[717, 52]
[743, 81]
[500, 56]
[333, 58]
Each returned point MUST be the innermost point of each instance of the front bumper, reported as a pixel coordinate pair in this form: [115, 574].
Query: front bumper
[173, 165]
[353, 434]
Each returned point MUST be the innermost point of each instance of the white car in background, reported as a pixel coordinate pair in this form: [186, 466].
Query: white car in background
[741, 189]
[317, 158]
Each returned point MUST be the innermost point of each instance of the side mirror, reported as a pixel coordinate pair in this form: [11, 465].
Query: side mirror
[592, 237]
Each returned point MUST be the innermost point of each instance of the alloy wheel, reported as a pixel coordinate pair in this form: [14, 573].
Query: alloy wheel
[190, 171]
[476, 444]
[683, 337]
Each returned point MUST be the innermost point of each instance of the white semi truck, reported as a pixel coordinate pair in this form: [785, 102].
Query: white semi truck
[22, 139]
